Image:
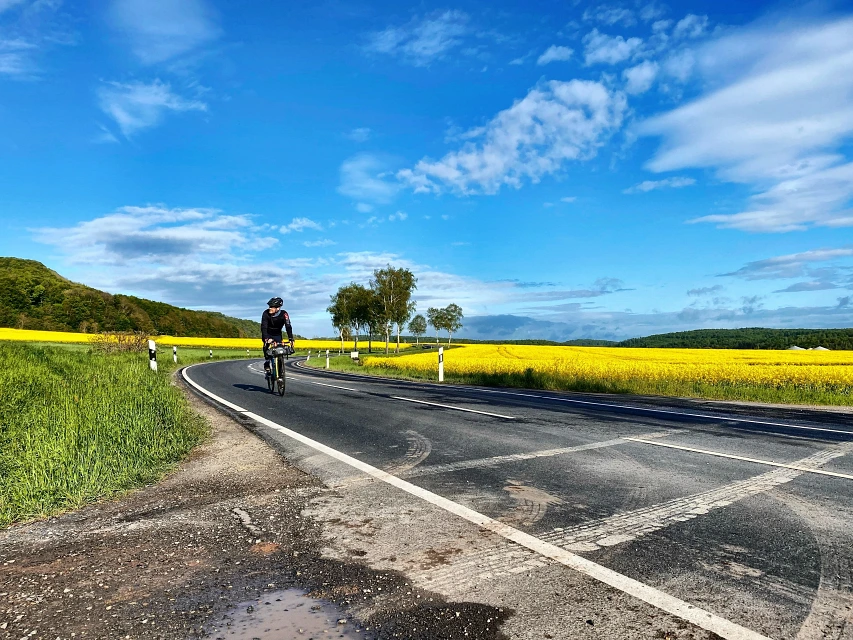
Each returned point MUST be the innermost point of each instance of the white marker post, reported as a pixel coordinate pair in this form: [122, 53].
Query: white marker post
[309, 356]
[152, 355]
[441, 364]
[211, 353]
[327, 358]
[175, 354]
[247, 353]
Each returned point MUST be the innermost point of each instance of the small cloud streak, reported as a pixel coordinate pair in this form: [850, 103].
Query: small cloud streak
[554, 54]
[300, 224]
[135, 105]
[667, 183]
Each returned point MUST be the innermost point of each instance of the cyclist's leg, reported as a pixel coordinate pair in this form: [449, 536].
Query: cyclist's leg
[266, 358]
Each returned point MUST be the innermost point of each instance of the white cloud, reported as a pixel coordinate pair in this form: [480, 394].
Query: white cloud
[554, 54]
[795, 265]
[400, 216]
[776, 118]
[136, 105]
[364, 178]
[319, 243]
[300, 224]
[554, 123]
[639, 79]
[680, 64]
[568, 199]
[610, 15]
[155, 234]
[652, 11]
[422, 40]
[363, 207]
[691, 26]
[667, 183]
[604, 49]
[159, 30]
[361, 134]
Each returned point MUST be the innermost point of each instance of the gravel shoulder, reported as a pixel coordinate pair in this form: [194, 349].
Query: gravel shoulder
[226, 526]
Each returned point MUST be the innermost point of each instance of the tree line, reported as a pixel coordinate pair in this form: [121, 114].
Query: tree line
[384, 307]
[35, 297]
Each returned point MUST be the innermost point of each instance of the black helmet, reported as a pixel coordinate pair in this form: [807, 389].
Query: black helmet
[275, 302]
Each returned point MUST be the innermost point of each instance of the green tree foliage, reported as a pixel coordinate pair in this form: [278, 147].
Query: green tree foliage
[435, 317]
[447, 319]
[750, 338]
[418, 327]
[34, 297]
[393, 289]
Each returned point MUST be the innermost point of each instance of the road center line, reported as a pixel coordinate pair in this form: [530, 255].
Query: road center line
[718, 454]
[448, 406]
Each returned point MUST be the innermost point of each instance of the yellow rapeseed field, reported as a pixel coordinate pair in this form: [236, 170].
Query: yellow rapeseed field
[178, 341]
[651, 370]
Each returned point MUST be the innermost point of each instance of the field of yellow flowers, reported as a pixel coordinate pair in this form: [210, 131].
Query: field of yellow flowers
[822, 377]
[24, 335]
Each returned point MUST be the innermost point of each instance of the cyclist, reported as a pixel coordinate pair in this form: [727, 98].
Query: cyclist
[273, 320]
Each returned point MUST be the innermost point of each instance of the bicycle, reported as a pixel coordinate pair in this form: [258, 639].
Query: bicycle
[276, 376]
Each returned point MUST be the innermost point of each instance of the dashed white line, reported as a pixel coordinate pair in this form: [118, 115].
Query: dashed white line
[719, 454]
[449, 406]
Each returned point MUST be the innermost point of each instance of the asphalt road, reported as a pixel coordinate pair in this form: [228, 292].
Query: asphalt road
[736, 519]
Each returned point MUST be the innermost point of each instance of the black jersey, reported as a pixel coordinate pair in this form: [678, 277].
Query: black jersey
[273, 323]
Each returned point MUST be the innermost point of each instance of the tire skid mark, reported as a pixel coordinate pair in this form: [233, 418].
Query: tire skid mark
[531, 504]
[419, 448]
[831, 613]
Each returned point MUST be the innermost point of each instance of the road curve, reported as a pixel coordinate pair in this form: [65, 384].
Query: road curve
[729, 519]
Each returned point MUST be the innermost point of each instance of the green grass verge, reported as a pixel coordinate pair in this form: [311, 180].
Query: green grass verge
[802, 395]
[77, 426]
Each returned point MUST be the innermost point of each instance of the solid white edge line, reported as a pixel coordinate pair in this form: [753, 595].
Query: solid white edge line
[186, 377]
[718, 454]
[323, 384]
[447, 406]
[613, 406]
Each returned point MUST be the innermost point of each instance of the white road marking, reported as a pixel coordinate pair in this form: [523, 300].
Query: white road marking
[516, 457]
[322, 384]
[630, 525]
[745, 459]
[230, 405]
[448, 406]
[663, 601]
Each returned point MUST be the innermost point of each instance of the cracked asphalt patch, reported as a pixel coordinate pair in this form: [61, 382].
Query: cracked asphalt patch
[226, 526]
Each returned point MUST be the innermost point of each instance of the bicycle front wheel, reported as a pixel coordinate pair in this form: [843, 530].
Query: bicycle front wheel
[281, 377]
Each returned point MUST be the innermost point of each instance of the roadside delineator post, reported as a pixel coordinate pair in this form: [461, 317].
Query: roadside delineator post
[247, 353]
[175, 354]
[152, 355]
[211, 353]
[327, 358]
[309, 356]
[441, 364]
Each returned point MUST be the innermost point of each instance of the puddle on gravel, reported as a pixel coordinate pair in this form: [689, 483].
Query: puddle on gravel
[283, 615]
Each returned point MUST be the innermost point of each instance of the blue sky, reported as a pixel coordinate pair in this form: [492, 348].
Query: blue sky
[560, 170]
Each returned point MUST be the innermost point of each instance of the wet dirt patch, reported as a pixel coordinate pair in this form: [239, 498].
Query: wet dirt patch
[289, 613]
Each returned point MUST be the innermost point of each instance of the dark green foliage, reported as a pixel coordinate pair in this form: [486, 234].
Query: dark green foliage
[34, 297]
[751, 338]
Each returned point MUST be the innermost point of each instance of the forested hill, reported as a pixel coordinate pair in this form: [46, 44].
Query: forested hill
[34, 297]
[753, 338]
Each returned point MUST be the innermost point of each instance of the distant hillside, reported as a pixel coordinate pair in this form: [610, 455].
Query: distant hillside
[752, 338]
[34, 297]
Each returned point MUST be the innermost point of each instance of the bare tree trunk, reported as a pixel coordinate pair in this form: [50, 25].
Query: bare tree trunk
[387, 337]
[398, 339]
